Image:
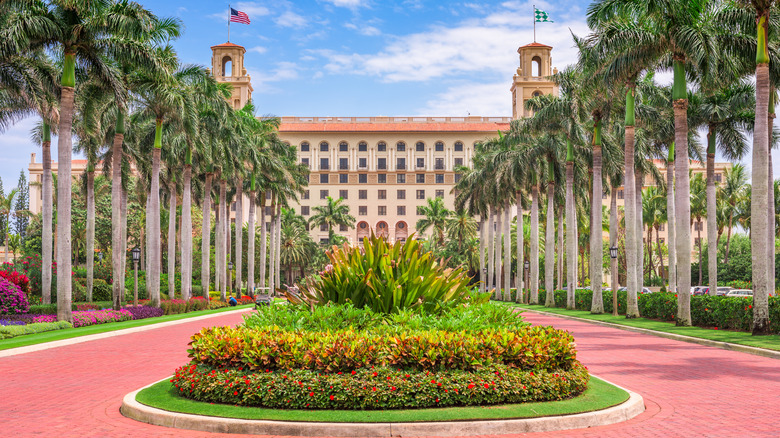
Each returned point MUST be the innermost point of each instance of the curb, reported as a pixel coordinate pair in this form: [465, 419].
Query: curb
[625, 411]
[772, 354]
[87, 338]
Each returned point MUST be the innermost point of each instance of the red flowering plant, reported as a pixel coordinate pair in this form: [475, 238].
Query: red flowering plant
[18, 279]
[12, 299]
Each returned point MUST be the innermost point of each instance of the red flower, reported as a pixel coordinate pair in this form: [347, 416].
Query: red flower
[353, 372]
[235, 392]
[311, 394]
[487, 386]
[374, 374]
[331, 397]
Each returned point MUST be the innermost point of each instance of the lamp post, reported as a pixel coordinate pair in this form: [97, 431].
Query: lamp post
[136, 252]
[230, 277]
[613, 253]
[483, 278]
[527, 266]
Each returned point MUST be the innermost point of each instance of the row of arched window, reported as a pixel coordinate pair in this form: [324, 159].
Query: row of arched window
[382, 146]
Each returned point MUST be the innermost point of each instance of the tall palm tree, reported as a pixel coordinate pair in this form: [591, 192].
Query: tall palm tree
[436, 216]
[6, 208]
[731, 190]
[333, 213]
[461, 227]
[699, 211]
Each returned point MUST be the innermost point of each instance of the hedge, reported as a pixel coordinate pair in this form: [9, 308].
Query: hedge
[731, 313]
[29, 329]
[530, 348]
[377, 388]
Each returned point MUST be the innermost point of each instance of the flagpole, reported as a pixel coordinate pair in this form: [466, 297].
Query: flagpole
[534, 18]
[229, 24]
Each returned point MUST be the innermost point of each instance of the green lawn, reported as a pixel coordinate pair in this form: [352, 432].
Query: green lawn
[599, 395]
[771, 342]
[56, 335]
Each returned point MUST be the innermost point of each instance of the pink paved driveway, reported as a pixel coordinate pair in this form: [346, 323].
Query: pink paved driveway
[689, 390]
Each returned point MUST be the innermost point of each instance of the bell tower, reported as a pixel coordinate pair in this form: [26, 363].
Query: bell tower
[227, 65]
[530, 79]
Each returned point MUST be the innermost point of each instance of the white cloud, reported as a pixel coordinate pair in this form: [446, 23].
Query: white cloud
[352, 4]
[364, 29]
[290, 19]
[258, 49]
[252, 9]
[476, 99]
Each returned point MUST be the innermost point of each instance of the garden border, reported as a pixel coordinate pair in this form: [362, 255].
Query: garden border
[764, 352]
[622, 412]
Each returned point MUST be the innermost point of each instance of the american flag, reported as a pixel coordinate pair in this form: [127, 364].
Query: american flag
[238, 16]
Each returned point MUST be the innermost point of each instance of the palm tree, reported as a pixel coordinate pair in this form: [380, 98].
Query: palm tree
[436, 216]
[698, 211]
[732, 189]
[461, 227]
[296, 245]
[332, 214]
[6, 208]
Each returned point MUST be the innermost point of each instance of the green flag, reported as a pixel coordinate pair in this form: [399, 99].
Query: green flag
[541, 17]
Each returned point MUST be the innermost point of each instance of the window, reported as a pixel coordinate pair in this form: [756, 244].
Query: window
[362, 210]
[343, 178]
[439, 164]
[233, 206]
[400, 178]
[401, 194]
[363, 178]
[420, 163]
[324, 164]
[343, 146]
[400, 146]
[323, 194]
[323, 227]
[324, 146]
[305, 162]
[381, 178]
[419, 146]
[344, 194]
[362, 146]
[304, 147]
[343, 163]
[420, 178]
[439, 178]
[400, 163]
[305, 194]
[362, 194]
[439, 146]
[458, 177]
[401, 210]
[718, 177]
[439, 193]
[381, 163]
[696, 241]
[620, 194]
[343, 228]
[458, 146]
[662, 227]
[382, 210]
[698, 226]
[267, 211]
[420, 211]
[458, 161]
[362, 163]
[381, 146]
[324, 241]
[382, 194]
[305, 210]
[323, 178]
[421, 194]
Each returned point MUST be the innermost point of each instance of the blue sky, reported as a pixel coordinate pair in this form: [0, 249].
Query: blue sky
[363, 57]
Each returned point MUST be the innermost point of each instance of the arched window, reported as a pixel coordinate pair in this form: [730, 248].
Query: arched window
[420, 146]
[536, 66]
[227, 66]
[439, 146]
[343, 146]
[324, 146]
[458, 146]
[305, 146]
[381, 146]
[400, 146]
[362, 146]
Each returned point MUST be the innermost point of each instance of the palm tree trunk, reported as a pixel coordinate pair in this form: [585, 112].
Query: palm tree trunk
[123, 237]
[760, 198]
[223, 219]
[771, 200]
[613, 225]
[519, 241]
[596, 233]
[671, 244]
[205, 248]
[278, 257]
[47, 207]
[682, 192]
[90, 231]
[272, 256]
[263, 241]
[116, 200]
[549, 245]
[490, 251]
[153, 277]
[571, 230]
[482, 276]
[632, 308]
[145, 258]
[728, 235]
[218, 229]
[250, 256]
[507, 252]
[229, 251]
[172, 240]
[64, 154]
[639, 177]
[186, 234]
[534, 256]
[497, 254]
[239, 234]
[560, 253]
[712, 225]
[660, 253]
[698, 232]
[650, 252]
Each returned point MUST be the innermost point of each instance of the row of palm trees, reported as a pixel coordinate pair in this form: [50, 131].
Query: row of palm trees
[104, 72]
[611, 118]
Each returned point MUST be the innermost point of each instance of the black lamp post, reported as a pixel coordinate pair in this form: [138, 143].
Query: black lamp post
[527, 266]
[613, 253]
[136, 252]
[230, 277]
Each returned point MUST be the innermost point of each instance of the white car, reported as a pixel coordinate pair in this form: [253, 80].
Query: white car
[740, 293]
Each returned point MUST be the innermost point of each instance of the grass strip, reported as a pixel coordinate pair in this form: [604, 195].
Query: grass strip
[56, 335]
[599, 395]
[771, 342]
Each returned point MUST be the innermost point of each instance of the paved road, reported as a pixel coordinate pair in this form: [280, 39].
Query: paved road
[689, 390]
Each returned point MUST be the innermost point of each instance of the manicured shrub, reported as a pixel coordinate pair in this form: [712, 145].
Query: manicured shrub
[29, 329]
[101, 290]
[143, 312]
[12, 299]
[92, 317]
[43, 309]
[377, 388]
[87, 306]
[386, 278]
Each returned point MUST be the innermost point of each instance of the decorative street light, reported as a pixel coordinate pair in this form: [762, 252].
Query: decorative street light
[230, 276]
[527, 266]
[613, 252]
[136, 252]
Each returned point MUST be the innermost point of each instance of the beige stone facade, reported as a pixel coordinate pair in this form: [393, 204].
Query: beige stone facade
[227, 65]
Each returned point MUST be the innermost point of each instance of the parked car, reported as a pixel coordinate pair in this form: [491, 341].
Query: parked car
[740, 293]
[644, 290]
[701, 290]
[723, 290]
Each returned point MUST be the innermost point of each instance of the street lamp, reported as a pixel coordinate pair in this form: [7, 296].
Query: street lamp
[136, 252]
[613, 252]
[526, 265]
[230, 276]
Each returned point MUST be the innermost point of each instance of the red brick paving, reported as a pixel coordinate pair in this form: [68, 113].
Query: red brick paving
[689, 390]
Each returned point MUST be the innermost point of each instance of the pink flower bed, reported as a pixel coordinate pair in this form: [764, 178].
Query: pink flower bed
[44, 318]
[92, 317]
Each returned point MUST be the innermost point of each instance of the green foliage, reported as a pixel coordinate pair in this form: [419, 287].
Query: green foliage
[377, 388]
[101, 291]
[12, 331]
[173, 307]
[386, 279]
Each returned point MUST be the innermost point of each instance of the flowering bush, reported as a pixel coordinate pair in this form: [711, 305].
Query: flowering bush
[30, 266]
[12, 299]
[143, 312]
[18, 279]
[87, 306]
[377, 388]
[44, 318]
[92, 317]
[217, 304]
[245, 299]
